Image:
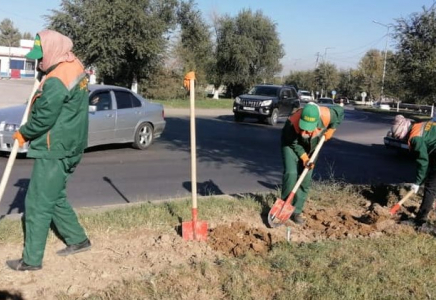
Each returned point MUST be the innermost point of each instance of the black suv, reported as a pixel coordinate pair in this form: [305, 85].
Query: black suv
[267, 103]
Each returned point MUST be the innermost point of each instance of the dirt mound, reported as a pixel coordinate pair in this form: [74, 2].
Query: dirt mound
[238, 239]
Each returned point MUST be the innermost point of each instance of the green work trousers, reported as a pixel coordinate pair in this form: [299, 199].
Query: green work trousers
[46, 202]
[292, 168]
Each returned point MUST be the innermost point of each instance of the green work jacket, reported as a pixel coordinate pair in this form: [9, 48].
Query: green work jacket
[57, 126]
[422, 143]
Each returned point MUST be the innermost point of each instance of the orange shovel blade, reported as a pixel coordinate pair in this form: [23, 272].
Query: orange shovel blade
[394, 209]
[194, 231]
[281, 211]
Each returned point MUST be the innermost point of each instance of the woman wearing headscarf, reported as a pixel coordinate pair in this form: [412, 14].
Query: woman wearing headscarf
[57, 129]
[421, 138]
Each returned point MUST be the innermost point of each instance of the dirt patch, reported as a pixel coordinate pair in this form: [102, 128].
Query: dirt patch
[142, 253]
[238, 239]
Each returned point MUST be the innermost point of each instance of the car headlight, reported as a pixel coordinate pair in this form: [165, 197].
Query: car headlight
[11, 127]
[266, 103]
[238, 100]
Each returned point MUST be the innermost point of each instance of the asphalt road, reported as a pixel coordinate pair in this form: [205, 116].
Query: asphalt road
[232, 158]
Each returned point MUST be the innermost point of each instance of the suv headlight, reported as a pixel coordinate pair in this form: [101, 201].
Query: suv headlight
[238, 100]
[266, 103]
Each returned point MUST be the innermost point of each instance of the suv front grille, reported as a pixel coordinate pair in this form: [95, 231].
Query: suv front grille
[251, 103]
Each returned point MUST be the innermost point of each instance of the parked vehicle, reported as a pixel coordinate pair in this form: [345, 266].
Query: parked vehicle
[326, 102]
[391, 142]
[116, 115]
[266, 103]
[342, 99]
[401, 145]
[305, 96]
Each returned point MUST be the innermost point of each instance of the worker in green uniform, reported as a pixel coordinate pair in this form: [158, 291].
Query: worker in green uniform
[421, 138]
[57, 129]
[300, 136]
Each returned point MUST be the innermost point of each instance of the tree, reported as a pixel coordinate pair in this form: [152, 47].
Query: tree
[326, 78]
[248, 51]
[194, 48]
[9, 35]
[125, 41]
[416, 56]
[28, 36]
[303, 80]
[370, 73]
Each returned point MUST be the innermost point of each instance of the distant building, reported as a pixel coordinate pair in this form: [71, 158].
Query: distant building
[13, 64]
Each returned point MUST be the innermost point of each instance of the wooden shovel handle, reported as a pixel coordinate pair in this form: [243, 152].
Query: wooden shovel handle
[397, 206]
[306, 169]
[15, 147]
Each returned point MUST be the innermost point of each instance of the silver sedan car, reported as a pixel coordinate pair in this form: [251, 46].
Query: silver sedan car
[116, 115]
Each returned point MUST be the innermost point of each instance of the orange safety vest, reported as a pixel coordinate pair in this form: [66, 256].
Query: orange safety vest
[324, 114]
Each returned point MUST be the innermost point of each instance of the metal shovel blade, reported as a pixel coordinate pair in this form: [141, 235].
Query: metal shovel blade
[194, 231]
[279, 213]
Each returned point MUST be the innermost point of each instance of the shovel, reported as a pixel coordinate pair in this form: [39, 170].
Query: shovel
[397, 206]
[281, 211]
[15, 147]
[193, 230]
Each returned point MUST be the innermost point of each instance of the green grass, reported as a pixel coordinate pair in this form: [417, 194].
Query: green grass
[387, 267]
[205, 103]
[408, 114]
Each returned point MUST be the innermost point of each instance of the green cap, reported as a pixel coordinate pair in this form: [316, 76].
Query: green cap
[36, 52]
[309, 117]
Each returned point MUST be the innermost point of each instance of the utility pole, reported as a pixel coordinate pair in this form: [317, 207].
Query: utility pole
[317, 58]
[325, 69]
[386, 53]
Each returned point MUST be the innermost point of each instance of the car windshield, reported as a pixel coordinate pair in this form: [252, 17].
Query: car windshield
[305, 93]
[325, 101]
[263, 91]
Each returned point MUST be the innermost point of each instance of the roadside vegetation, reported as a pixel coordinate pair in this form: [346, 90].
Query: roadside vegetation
[234, 51]
[407, 113]
[204, 103]
[383, 266]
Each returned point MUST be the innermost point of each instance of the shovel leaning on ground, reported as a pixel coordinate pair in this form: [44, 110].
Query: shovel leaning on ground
[193, 230]
[282, 210]
[397, 206]
[15, 146]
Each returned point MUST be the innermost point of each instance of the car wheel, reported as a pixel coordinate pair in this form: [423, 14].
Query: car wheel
[143, 136]
[272, 120]
[239, 118]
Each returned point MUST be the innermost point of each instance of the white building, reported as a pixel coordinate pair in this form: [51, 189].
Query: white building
[13, 64]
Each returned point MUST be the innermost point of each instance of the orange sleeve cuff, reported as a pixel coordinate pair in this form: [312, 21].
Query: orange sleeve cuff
[329, 133]
[304, 157]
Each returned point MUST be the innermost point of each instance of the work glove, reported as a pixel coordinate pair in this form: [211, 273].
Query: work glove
[306, 163]
[414, 188]
[329, 133]
[20, 138]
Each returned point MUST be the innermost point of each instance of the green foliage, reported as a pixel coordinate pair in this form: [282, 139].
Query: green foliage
[194, 49]
[164, 84]
[248, 51]
[303, 80]
[28, 36]
[9, 35]
[326, 78]
[370, 73]
[124, 40]
[416, 59]
[200, 103]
